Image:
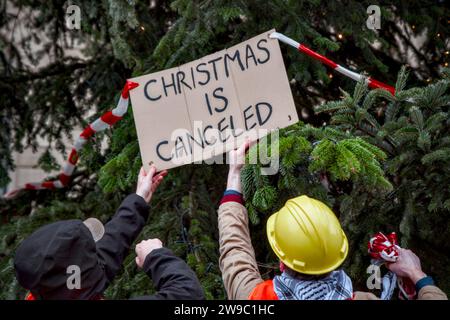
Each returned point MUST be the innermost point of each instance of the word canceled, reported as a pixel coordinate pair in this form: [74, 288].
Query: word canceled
[209, 106]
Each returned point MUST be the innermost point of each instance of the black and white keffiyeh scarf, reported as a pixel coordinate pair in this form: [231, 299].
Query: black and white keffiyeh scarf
[335, 286]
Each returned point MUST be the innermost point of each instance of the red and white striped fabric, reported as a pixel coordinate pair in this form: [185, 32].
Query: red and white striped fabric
[372, 83]
[111, 117]
[105, 121]
[384, 247]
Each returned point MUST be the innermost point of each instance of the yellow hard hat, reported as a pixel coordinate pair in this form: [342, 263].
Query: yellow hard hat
[307, 237]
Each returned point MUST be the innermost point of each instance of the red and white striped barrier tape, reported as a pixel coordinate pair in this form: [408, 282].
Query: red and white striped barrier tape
[372, 83]
[385, 248]
[105, 121]
[111, 117]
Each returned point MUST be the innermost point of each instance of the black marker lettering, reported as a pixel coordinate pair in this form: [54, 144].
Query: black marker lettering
[204, 136]
[159, 153]
[223, 98]
[263, 49]
[247, 118]
[201, 143]
[180, 146]
[193, 77]
[258, 112]
[218, 97]
[237, 56]
[180, 80]
[147, 94]
[233, 130]
[205, 71]
[221, 129]
[208, 104]
[213, 61]
[169, 85]
[249, 54]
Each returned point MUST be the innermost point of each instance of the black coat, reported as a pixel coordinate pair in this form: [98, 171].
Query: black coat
[42, 259]
[171, 275]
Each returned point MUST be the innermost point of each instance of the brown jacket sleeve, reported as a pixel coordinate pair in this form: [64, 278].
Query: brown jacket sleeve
[237, 257]
[431, 293]
[426, 293]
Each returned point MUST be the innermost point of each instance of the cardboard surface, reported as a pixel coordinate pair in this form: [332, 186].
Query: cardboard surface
[208, 106]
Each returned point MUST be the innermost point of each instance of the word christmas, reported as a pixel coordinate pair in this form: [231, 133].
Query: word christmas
[208, 106]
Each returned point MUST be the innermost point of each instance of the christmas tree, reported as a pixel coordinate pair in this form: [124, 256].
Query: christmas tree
[380, 161]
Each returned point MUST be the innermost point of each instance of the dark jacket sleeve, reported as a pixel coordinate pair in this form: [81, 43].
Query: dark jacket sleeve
[173, 278]
[120, 233]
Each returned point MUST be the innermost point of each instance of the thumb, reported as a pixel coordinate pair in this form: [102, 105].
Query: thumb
[141, 175]
[137, 261]
[151, 172]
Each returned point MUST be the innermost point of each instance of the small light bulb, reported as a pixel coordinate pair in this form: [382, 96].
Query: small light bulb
[330, 76]
[340, 36]
[142, 28]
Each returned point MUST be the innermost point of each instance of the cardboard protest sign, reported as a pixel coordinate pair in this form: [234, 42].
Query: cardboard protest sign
[208, 106]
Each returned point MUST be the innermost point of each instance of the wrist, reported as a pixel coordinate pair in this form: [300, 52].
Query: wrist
[416, 275]
[232, 195]
[145, 195]
[234, 171]
[426, 281]
[140, 194]
[234, 180]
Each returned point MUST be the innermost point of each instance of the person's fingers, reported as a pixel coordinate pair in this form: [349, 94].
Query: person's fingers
[160, 174]
[137, 261]
[245, 146]
[151, 171]
[242, 147]
[251, 143]
[246, 143]
[156, 177]
[149, 176]
[164, 173]
[405, 251]
[156, 183]
[141, 175]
